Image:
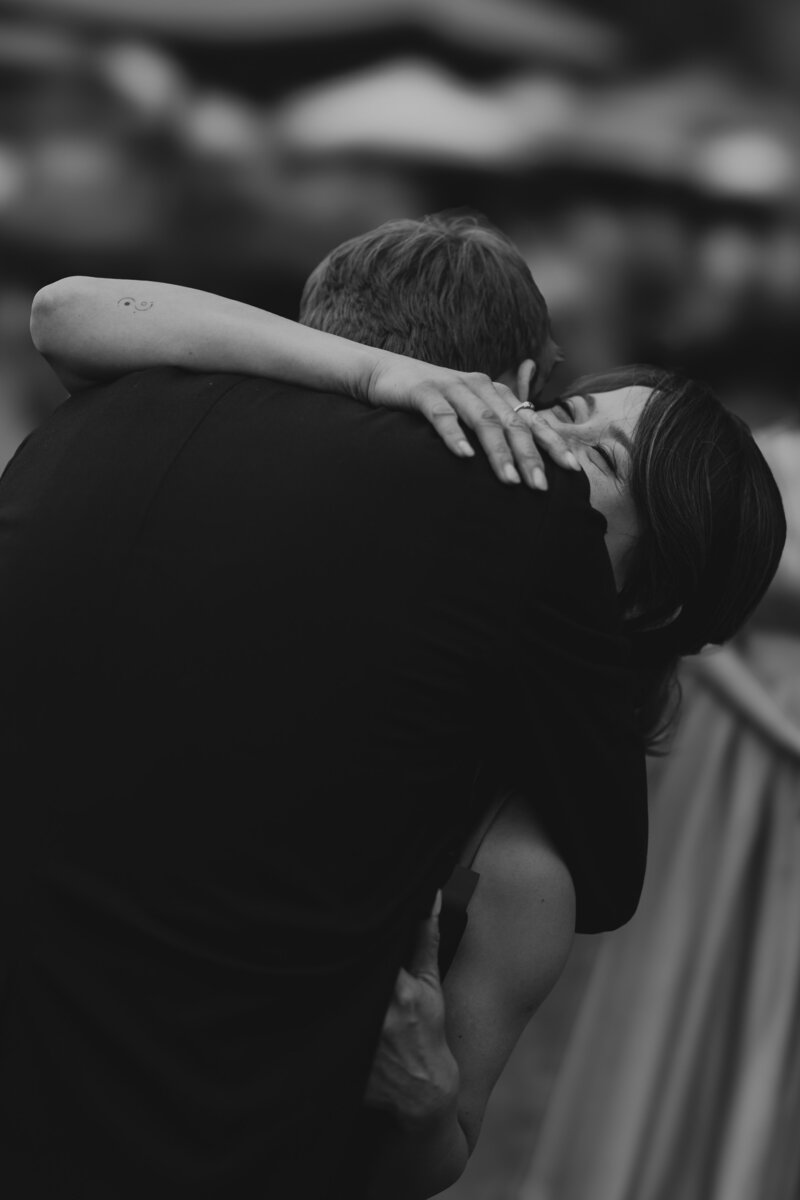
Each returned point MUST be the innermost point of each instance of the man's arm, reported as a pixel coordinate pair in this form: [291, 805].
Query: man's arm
[520, 930]
[91, 330]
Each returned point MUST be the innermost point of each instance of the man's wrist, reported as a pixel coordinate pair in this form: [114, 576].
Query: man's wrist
[421, 1158]
[435, 1106]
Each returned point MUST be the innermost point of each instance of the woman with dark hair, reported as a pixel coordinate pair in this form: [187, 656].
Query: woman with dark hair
[704, 496]
[694, 1006]
[694, 533]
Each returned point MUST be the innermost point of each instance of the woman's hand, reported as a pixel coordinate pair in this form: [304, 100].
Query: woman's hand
[414, 1074]
[445, 398]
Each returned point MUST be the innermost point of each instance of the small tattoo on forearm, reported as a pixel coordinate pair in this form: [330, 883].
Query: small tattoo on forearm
[136, 305]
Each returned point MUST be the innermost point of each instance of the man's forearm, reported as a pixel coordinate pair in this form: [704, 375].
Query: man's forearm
[415, 1161]
[94, 329]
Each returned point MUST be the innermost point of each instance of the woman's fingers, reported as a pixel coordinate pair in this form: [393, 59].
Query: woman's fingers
[442, 416]
[545, 436]
[506, 440]
[524, 449]
[512, 437]
[505, 437]
[550, 440]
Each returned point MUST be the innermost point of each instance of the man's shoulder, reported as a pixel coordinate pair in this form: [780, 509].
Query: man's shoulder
[180, 381]
[167, 402]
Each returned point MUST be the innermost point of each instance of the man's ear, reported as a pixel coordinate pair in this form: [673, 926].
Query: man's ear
[525, 374]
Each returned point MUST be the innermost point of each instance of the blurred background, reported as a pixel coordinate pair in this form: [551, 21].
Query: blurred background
[645, 157]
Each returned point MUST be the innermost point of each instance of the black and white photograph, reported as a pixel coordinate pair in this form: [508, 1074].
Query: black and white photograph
[399, 599]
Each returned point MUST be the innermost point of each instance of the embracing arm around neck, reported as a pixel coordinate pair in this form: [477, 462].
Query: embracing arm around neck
[91, 330]
[94, 330]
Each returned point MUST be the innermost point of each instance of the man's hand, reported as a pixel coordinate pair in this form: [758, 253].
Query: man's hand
[445, 398]
[414, 1075]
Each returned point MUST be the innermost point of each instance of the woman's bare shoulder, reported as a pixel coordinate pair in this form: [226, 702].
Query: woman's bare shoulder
[522, 914]
[516, 851]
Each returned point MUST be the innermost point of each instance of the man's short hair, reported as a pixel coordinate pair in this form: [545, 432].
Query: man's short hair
[449, 289]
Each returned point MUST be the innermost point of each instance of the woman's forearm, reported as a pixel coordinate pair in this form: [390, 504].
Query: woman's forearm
[94, 329]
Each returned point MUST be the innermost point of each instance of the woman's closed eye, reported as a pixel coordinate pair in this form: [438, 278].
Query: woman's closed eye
[608, 457]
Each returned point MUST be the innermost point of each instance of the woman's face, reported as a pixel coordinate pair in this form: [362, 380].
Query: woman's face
[599, 428]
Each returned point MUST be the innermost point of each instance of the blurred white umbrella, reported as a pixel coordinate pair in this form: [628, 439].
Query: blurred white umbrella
[417, 109]
[662, 125]
[143, 77]
[749, 164]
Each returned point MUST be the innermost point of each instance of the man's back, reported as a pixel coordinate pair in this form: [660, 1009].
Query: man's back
[258, 644]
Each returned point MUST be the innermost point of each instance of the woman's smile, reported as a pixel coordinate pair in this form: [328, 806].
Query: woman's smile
[599, 429]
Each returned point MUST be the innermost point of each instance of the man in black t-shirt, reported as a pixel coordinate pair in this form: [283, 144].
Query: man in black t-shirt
[258, 643]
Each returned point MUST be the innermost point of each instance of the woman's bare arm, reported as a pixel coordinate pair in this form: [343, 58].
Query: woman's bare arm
[520, 930]
[518, 938]
[91, 330]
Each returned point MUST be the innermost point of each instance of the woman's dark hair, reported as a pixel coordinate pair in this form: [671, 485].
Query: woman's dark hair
[449, 288]
[712, 530]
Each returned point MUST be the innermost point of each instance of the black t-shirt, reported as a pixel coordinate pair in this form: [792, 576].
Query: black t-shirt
[258, 646]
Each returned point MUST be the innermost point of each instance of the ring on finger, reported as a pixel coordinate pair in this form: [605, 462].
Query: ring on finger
[525, 404]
